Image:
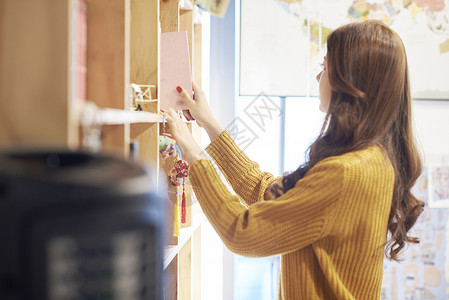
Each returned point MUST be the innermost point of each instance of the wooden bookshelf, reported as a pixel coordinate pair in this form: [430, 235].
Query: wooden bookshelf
[38, 107]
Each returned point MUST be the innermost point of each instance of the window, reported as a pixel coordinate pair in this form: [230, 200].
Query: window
[283, 128]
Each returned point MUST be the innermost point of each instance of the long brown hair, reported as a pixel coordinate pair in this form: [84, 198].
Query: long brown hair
[370, 105]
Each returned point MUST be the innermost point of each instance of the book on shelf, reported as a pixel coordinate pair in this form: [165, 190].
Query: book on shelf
[175, 69]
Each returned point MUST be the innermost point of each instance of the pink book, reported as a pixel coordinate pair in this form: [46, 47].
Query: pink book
[175, 69]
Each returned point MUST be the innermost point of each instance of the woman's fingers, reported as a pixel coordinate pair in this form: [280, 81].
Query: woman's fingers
[185, 96]
[171, 114]
[199, 96]
[189, 102]
[190, 149]
[176, 124]
[188, 115]
[196, 88]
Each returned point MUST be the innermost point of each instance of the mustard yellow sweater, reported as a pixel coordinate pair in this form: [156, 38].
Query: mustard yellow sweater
[330, 229]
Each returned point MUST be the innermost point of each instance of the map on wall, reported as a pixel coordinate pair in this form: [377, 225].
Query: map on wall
[422, 272]
[283, 42]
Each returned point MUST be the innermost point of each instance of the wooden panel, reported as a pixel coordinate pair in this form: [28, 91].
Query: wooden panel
[145, 43]
[108, 63]
[171, 202]
[171, 281]
[169, 15]
[196, 264]
[114, 139]
[185, 271]
[147, 135]
[107, 55]
[144, 68]
[34, 72]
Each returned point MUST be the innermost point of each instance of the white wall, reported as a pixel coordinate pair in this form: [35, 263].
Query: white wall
[431, 120]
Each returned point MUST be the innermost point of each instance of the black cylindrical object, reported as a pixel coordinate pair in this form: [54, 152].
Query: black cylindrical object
[78, 225]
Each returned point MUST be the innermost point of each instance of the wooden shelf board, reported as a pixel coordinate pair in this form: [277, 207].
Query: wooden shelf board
[185, 234]
[111, 116]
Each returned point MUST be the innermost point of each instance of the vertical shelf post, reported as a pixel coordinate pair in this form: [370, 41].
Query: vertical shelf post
[108, 64]
[35, 73]
[185, 271]
[169, 15]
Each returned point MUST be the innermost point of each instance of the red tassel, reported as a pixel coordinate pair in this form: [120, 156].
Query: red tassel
[183, 204]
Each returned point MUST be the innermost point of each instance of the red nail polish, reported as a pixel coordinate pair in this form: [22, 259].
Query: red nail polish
[162, 110]
[179, 89]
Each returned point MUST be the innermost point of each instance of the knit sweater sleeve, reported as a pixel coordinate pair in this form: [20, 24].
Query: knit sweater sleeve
[244, 175]
[296, 219]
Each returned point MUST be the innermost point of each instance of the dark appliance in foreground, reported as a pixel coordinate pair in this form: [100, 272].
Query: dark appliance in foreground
[78, 225]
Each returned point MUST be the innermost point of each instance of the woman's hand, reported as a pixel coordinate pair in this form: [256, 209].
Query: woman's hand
[200, 111]
[190, 149]
[198, 106]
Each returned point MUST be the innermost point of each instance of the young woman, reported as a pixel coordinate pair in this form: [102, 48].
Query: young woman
[333, 218]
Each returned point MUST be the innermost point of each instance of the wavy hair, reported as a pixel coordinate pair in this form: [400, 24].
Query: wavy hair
[370, 105]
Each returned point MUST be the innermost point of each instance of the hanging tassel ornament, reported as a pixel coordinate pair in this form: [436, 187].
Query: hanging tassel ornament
[183, 203]
[168, 148]
[178, 173]
[182, 171]
[181, 168]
